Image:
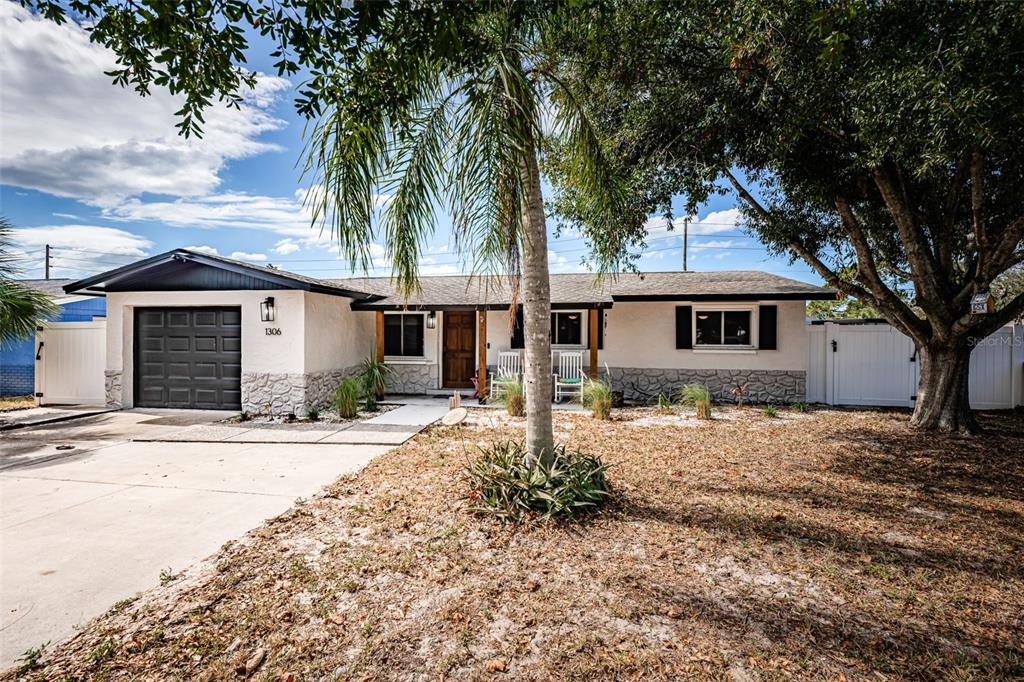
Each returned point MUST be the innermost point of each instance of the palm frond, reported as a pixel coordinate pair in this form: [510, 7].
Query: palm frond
[419, 179]
[21, 307]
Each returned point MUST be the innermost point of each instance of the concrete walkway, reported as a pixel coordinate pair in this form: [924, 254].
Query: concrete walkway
[93, 510]
[390, 428]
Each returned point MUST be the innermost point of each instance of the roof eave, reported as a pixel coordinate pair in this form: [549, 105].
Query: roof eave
[441, 307]
[786, 296]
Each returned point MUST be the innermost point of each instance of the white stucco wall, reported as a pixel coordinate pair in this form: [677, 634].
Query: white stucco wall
[318, 332]
[336, 337]
[644, 335]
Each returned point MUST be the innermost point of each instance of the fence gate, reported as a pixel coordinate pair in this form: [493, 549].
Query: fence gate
[70, 357]
[874, 364]
[871, 365]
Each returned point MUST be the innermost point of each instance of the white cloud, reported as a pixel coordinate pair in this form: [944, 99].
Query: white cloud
[208, 250]
[242, 255]
[282, 215]
[715, 222]
[711, 244]
[285, 247]
[69, 131]
[107, 248]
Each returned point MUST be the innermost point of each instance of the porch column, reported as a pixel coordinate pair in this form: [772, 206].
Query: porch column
[481, 342]
[380, 336]
[592, 338]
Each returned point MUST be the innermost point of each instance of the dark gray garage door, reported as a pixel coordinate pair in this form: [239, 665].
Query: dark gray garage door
[188, 358]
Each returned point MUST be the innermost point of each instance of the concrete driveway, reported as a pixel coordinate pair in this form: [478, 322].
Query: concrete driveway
[89, 517]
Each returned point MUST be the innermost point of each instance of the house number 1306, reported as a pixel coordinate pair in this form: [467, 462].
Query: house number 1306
[273, 331]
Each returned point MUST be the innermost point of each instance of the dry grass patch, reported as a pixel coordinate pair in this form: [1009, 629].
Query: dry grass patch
[10, 403]
[830, 545]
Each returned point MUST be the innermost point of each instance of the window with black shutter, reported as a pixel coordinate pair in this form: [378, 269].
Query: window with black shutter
[684, 326]
[768, 328]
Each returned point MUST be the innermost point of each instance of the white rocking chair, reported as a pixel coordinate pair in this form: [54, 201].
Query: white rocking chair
[570, 376]
[510, 369]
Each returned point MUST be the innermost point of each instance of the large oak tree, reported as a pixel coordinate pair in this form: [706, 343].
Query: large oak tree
[878, 141]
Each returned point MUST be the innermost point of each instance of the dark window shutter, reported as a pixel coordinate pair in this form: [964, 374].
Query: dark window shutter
[768, 328]
[518, 340]
[684, 326]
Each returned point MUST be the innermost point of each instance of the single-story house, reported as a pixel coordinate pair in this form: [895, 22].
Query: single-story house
[186, 329]
[18, 359]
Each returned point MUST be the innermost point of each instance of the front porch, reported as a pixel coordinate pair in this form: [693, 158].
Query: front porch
[436, 350]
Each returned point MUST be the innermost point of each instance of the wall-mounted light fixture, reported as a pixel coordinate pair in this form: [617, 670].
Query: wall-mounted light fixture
[267, 312]
[431, 320]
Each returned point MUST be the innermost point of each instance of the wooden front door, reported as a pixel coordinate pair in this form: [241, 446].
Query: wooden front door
[459, 349]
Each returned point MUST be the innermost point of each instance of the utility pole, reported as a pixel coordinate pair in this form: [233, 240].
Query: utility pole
[48, 261]
[686, 235]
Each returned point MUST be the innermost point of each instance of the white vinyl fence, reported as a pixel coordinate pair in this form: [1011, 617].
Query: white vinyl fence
[70, 357]
[874, 364]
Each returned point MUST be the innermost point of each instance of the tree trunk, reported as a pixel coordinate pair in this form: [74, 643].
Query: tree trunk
[536, 296]
[942, 391]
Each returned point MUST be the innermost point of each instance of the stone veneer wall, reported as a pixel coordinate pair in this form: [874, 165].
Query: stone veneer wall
[414, 379]
[112, 387]
[780, 386]
[295, 393]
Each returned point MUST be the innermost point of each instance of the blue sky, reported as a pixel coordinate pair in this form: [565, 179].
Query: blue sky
[100, 174]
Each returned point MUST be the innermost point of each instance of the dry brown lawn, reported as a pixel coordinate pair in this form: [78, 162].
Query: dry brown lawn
[16, 402]
[835, 545]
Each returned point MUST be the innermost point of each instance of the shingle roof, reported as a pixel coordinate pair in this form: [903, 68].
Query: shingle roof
[583, 289]
[52, 287]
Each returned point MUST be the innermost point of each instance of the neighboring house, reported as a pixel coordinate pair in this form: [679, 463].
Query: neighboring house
[17, 360]
[187, 329]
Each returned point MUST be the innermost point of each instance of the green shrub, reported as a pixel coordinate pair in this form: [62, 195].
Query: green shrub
[802, 406]
[313, 413]
[771, 411]
[663, 403]
[513, 397]
[372, 378]
[597, 395]
[346, 398]
[699, 397]
[508, 484]
[244, 417]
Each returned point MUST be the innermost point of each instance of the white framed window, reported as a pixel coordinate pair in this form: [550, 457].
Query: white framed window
[403, 335]
[723, 328]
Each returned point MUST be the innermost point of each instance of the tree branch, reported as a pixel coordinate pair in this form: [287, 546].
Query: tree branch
[930, 290]
[831, 277]
[868, 270]
[991, 323]
[977, 211]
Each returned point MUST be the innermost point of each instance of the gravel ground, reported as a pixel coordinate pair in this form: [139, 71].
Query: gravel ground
[832, 545]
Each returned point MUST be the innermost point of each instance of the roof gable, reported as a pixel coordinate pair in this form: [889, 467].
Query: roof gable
[184, 270]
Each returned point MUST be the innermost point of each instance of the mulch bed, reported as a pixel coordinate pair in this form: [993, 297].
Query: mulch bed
[834, 545]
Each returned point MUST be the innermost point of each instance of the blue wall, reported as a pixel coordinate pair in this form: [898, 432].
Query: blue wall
[17, 360]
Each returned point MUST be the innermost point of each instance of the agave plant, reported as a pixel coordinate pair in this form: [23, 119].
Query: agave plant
[506, 482]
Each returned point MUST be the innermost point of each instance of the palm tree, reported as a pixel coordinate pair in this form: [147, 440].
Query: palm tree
[431, 120]
[21, 307]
